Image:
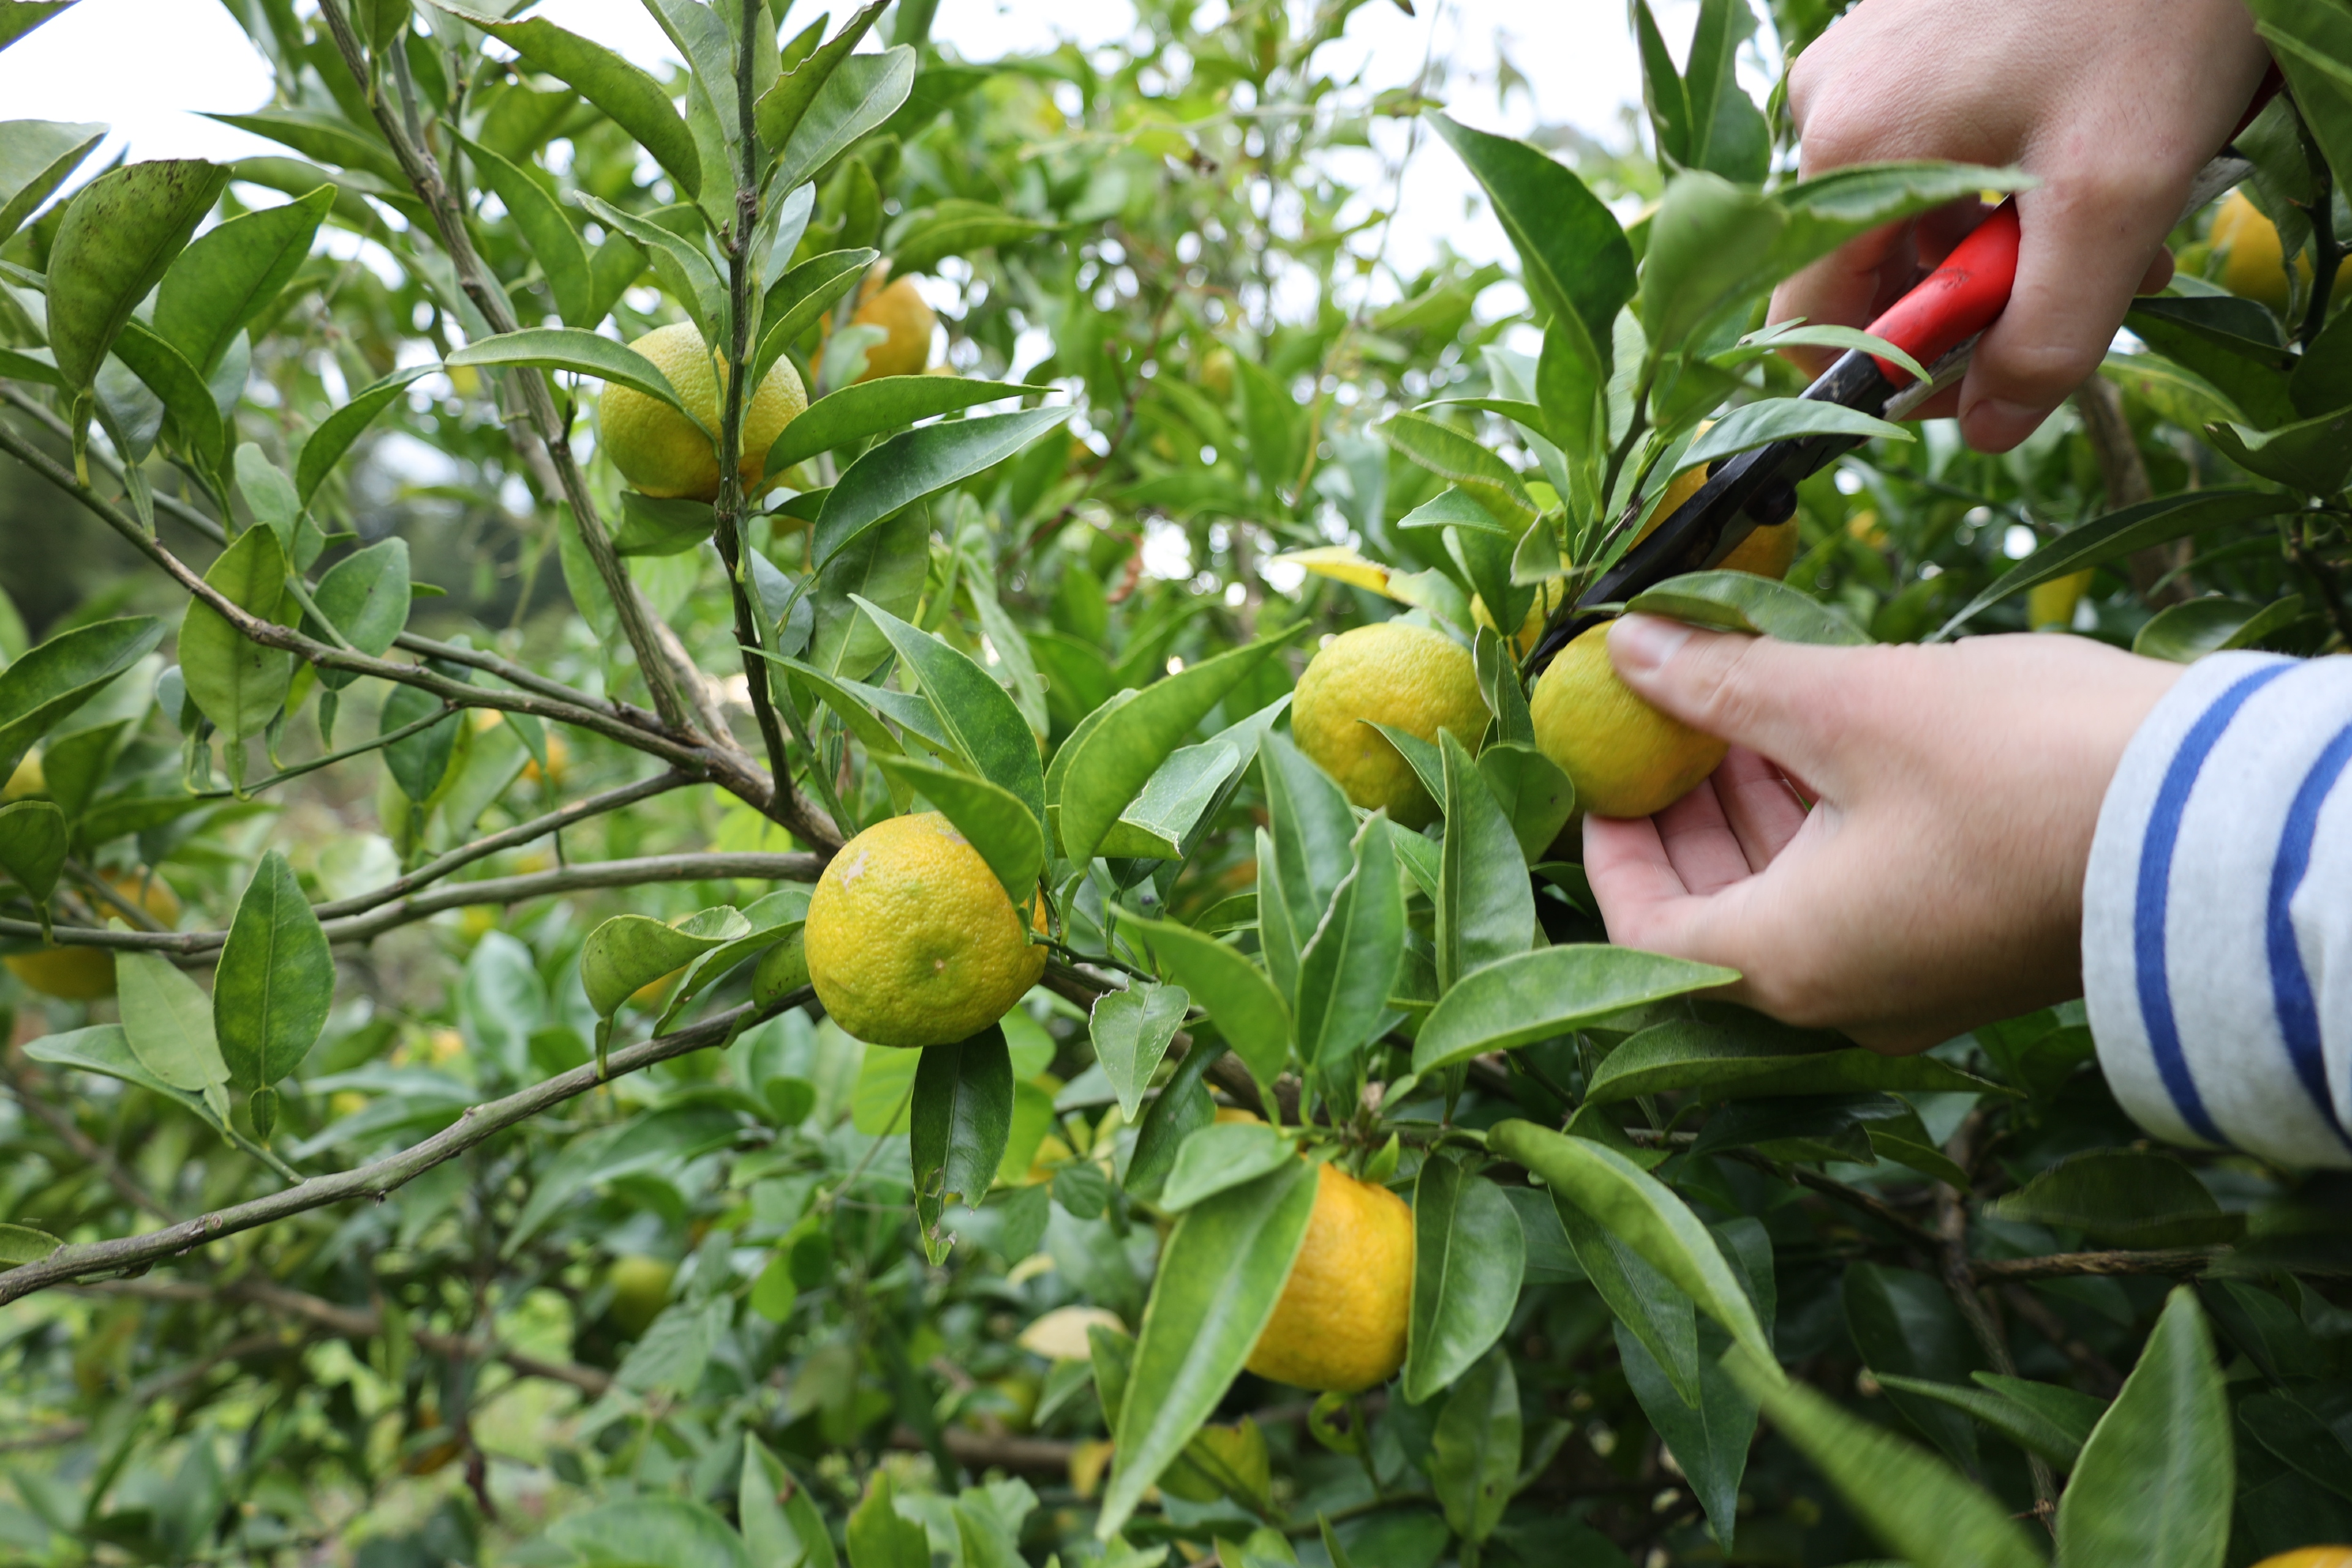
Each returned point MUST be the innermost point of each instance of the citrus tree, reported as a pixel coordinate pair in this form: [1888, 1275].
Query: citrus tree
[980, 953]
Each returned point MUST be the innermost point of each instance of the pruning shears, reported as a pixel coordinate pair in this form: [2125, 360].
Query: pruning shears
[1937, 323]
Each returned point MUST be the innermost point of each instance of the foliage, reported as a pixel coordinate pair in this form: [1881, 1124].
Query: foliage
[495, 894]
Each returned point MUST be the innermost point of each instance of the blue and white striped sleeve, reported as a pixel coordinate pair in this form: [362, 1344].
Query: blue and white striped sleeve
[2217, 913]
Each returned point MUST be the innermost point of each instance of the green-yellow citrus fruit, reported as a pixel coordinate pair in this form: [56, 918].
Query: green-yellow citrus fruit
[1531, 624]
[1766, 551]
[86, 973]
[2051, 605]
[640, 1289]
[1625, 758]
[899, 311]
[1340, 1325]
[2310, 1557]
[659, 449]
[27, 780]
[911, 939]
[1408, 676]
[2253, 261]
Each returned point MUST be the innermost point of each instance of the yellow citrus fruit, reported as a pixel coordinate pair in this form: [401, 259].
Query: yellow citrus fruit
[1340, 1325]
[86, 973]
[2051, 606]
[911, 939]
[559, 762]
[654, 992]
[1766, 551]
[640, 1289]
[2253, 261]
[899, 311]
[2310, 1557]
[27, 780]
[1625, 758]
[1408, 676]
[659, 449]
[1236, 1113]
[1217, 372]
[1531, 624]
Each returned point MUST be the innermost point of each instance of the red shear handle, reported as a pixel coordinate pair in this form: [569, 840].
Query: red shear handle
[1956, 300]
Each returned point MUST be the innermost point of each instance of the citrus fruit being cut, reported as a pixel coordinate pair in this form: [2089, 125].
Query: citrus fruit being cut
[1625, 758]
[1340, 1325]
[900, 310]
[1408, 676]
[1766, 551]
[911, 939]
[659, 451]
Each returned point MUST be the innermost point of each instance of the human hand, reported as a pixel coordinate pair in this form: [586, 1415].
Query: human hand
[2113, 104]
[1936, 883]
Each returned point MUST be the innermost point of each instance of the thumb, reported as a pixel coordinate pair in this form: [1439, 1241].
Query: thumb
[1787, 700]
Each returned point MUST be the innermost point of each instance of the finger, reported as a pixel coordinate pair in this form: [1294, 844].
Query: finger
[1761, 807]
[1793, 703]
[1633, 880]
[1847, 287]
[2084, 245]
[1705, 853]
[2158, 274]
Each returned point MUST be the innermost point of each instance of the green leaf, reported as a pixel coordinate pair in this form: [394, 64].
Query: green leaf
[167, 1027]
[1573, 257]
[680, 262]
[880, 1537]
[1219, 1276]
[1663, 92]
[630, 951]
[1475, 1451]
[417, 763]
[33, 845]
[886, 565]
[1130, 1031]
[196, 417]
[1468, 1255]
[862, 92]
[960, 1120]
[365, 597]
[1548, 991]
[1637, 1209]
[633, 100]
[653, 1140]
[338, 429]
[1710, 1440]
[1783, 418]
[2312, 454]
[21, 1244]
[580, 353]
[906, 468]
[2174, 394]
[2250, 373]
[1223, 1155]
[1108, 766]
[976, 713]
[661, 525]
[1732, 1054]
[872, 407]
[276, 981]
[230, 274]
[1744, 602]
[780, 108]
[956, 226]
[2187, 632]
[105, 1050]
[1305, 854]
[1829, 209]
[1910, 1500]
[2123, 1197]
[117, 238]
[39, 691]
[37, 156]
[782, 1528]
[551, 240]
[1455, 457]
[2155, 1481]
[992, 819]
[2053, 1429]
[2117, 534]
[796, 302]
[1904, 1322]
[239, 685]
[1657, 1312]
[325, 137]
[650, 1533]
[1708, 243]
[1349, 964]
[1784, 334]
[1727, 133]
[1181, 1108]
[1236, 993]
[1534, 797]
[1485, 905]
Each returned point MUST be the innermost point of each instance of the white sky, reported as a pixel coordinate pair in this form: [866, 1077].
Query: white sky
[149, 68]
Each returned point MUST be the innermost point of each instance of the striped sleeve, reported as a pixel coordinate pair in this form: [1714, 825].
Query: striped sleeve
[2217, 918]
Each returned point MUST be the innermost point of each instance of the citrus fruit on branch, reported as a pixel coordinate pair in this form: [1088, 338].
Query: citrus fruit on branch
[1339, 1323]
[900, 310]
[86, 973]
[659, 449]
[1625, 758]
[1766, 551]
[911, 939]
[1408, 676]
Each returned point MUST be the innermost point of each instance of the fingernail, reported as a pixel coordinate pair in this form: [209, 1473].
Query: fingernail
[1997, 424]
[1641, 644]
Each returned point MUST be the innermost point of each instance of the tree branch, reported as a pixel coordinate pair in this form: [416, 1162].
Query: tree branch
[2178, 1262]
[476, 1126]
[399, 911]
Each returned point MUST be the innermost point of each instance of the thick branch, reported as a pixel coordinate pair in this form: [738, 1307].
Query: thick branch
[477, 1125]
[2157, 572]
[714, 867]
[2178, 1262]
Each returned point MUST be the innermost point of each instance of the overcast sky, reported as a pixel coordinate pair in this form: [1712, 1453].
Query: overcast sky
[149, 68]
